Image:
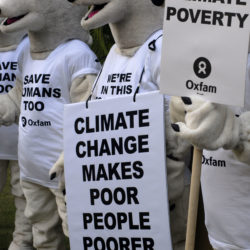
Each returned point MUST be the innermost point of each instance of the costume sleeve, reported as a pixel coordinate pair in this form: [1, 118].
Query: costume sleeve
[22, 51]
[81, 61]
[81, 88]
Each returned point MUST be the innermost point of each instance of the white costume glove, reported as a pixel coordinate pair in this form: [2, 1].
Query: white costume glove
[242, 150]
[10, 105]
[211, 126]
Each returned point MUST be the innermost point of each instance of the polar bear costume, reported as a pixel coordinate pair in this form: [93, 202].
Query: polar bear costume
[136, 28]
[55, 68]
[224, 134]
[10, 47]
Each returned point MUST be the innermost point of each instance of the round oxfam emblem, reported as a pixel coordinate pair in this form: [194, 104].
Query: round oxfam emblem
[202, 67]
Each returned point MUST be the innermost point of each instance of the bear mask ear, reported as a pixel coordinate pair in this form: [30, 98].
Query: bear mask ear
[158, 2]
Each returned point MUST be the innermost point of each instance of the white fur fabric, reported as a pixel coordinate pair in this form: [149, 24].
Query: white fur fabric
[211, 126]
[10, 105]
[242, 151]
[10, 42]
[207, 125]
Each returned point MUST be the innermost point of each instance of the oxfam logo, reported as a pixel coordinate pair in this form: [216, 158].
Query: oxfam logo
[24, 121]
[202, 67]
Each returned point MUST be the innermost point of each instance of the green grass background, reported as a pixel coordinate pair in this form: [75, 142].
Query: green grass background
[7, 214]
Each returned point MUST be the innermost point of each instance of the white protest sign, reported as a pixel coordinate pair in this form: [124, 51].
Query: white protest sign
[205, 48]
[116, 174]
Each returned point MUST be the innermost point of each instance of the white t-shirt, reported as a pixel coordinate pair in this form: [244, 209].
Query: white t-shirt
[8, 68]
[226, 194]
[122, 74]
[46, 88]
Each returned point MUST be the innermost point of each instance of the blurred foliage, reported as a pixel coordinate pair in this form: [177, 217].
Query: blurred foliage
[102, 42]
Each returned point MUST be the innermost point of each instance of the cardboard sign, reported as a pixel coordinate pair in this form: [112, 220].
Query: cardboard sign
[205, 47]
[116, 174]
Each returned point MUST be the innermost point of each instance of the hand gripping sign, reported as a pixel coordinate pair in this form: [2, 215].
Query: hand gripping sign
[116, 175]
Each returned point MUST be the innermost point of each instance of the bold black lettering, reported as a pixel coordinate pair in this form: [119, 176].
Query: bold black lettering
[241, 2]
[116, 147]
[79, 149]
[242, 19]
[110, 221]
[97, 222]
[76, 126]
[183, 18]
[124, 243]
[107, 123]
[121, 219]
[87, 242]
[101, 173]
[94, 194]
[171, 11]
[112, 169]
[120, 121]
[87, 218]
[130, 148]
[144, 218]
[143, 118]
[102, 243]
[206, 17]
[88, 173]
[108, 199]
[148, 243]
[132, 193]
[139, 171]
[132, 226]
[143, 144]
[112, 241]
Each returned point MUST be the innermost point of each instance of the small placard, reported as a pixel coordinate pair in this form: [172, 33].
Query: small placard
[205, 47]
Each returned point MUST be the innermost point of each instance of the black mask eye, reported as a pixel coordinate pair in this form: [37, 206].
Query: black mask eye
[158, 2]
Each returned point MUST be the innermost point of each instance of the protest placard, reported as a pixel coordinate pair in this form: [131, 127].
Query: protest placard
[116, 174]
[204, 50]
[204, 53]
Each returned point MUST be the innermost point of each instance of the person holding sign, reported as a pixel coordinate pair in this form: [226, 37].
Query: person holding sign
[57, 67]
[132, 64]
[224, 133]
[10, 48]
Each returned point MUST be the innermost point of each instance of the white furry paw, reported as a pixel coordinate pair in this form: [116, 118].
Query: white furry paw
[58, 171]
[7, 110]
[242, 151]
[204, 124]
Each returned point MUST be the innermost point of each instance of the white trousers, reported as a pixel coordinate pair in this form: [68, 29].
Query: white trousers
[22, 235]
[42, 211]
